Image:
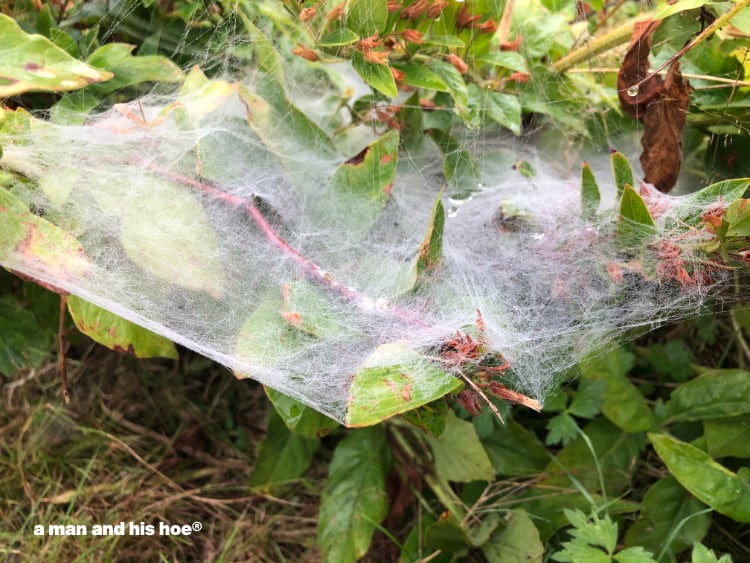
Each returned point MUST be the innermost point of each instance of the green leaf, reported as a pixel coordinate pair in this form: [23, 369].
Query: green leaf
[634, 222]
[515, 451]
[728, 436]
[712, 395]
[525, 169]
[561, 428]
[504, 109]
[27, 239]
[459, 455]
[275, 331]
[73, 107]
[459, 166]
[726, 191]
[25, 341]
[721, 489]
[623, 404]
[44, 21]
[65, 41]
[338, 38]
[505, 59]
[367, 17]
[588, 398]
[447, 535]
[673, 360]
[575, 553]
[420, 76]
[621, 171]
[394, 379]
[288, 318]
[742, 22]
[634, 555]
[267, 57]
[546, 506]
[282, 126]
[308, 309]
[668, 511]
[431, 249]
[455, 82]
[671, 8]
[165, 231]
[517, 542]
[283, 456]
[543, 32]
[430, 418]
[267, 336]
[363, 184]
[300, 419]
[411, 124]
[593, 530]
[701, 554]
[376, 75]
[613, 460]
[354, 501]
[34, 63]
[117, 333]
[443, 41]
[588, 537]
[590, 196]
[737, 217]
[129, 70]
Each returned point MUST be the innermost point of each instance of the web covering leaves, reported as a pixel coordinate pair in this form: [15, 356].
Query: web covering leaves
[226, 218]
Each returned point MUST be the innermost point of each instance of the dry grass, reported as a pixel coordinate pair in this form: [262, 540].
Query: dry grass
[143, 441]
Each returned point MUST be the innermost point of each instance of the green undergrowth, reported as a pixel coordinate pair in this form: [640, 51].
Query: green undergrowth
[142, 441]
[622, 463]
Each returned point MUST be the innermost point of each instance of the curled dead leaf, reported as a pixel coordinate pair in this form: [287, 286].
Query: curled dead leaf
[660, 104]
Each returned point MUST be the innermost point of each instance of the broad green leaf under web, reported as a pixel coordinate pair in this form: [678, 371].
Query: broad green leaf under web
[117, 333]
[34, 63]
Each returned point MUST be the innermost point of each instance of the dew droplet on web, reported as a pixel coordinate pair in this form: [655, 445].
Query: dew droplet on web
[633, 91]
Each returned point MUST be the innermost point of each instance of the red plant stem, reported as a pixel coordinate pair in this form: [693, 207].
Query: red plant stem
[310, 269]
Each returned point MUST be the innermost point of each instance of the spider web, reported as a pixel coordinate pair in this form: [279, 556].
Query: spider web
[215, 215]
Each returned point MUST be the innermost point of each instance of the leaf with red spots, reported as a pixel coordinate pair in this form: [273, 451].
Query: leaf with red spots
[34, 246]
[32, 62]
[431, 250]
[363, 183]
[395, 379]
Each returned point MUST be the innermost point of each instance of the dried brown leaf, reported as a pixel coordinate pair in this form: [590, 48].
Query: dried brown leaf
[663, 122]
[660, 104]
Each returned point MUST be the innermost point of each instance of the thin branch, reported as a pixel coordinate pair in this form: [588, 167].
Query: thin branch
[721, 21]
[310, 269]
[485, 398]
[723, 82]
[61, 349]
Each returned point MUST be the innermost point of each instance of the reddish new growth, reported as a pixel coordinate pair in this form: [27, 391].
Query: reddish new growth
[672, 266]
[478, 367]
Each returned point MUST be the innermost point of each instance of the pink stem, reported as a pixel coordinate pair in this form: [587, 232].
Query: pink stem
[308, 267]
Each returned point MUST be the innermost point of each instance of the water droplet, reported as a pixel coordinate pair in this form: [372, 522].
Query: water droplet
[633, 91]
